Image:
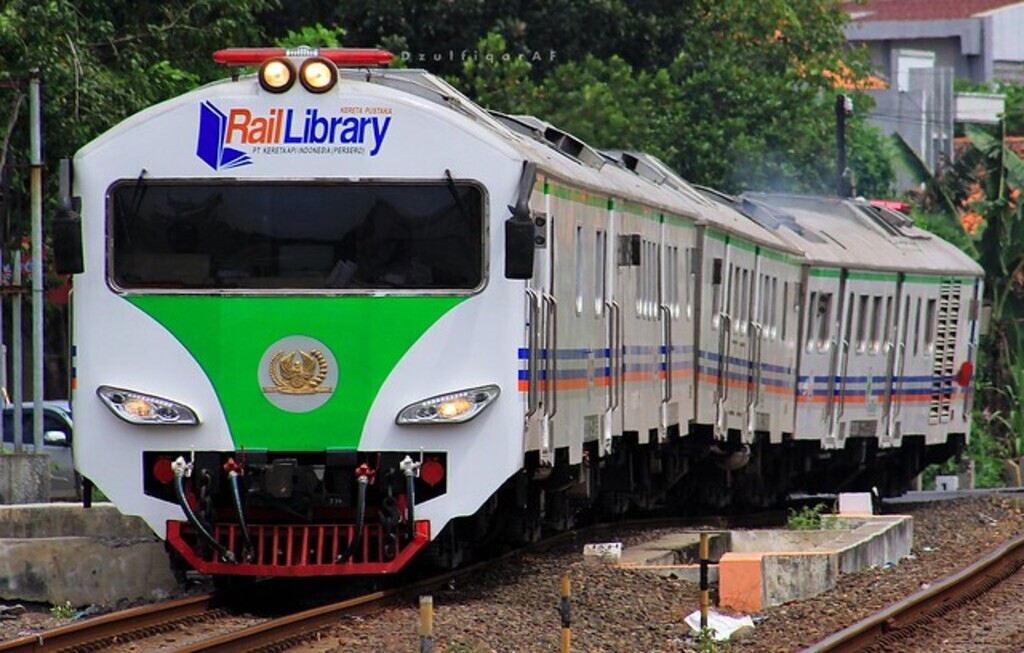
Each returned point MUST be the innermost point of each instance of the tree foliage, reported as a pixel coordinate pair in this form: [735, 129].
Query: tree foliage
[103, 60]
[746, 100]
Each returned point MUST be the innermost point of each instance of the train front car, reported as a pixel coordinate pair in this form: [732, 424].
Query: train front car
[289, 332]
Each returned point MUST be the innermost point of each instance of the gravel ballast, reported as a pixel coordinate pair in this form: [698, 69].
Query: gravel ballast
[514, 606]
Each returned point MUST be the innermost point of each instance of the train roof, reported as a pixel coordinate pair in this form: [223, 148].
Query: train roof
[849, 233]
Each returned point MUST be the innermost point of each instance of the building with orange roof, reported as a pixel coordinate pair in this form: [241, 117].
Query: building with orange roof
[921, 47]
[979, 39]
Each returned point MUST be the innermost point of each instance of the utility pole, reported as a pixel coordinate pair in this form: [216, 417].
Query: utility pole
[844, 108]
[36, 146]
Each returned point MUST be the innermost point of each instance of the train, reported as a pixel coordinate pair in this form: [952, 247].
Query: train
[330, 318]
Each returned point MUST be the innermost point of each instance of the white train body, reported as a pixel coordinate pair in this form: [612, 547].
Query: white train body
[305, 273]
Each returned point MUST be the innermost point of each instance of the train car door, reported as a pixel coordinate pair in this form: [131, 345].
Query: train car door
[839, 359]
[541, 334]
[678, 274]
[896, 339]
[640, 332]
[713, 290]
[737, 346]
[755, 341]
[817, 374]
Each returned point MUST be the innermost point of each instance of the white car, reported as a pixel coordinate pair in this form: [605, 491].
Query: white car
[57, 434]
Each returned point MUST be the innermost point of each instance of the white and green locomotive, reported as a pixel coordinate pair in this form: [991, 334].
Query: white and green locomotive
[330, 315]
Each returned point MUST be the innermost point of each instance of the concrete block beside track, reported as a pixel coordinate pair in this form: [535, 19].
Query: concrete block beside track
[55, 553]
[759, 568]
[768, 568]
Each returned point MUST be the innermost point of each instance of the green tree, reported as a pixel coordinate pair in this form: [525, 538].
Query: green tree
[746, 103]
[103, 60]
[100, 61]
[982, 191]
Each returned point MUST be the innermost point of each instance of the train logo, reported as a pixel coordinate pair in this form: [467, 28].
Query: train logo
[213, 127]
[298, 374]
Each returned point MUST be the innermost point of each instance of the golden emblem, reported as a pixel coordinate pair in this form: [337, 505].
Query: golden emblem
[298, 372]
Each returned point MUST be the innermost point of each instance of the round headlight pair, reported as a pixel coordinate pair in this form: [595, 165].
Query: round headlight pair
[316, 74]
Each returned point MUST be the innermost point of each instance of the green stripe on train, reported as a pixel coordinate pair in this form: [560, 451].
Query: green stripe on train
[229, 335]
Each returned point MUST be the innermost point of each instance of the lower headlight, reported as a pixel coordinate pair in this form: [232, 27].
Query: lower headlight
[455, 407]
[141, 408]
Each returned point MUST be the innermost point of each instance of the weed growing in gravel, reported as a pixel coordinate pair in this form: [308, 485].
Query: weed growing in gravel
[808, 519]
[706, 642]
[65, 611]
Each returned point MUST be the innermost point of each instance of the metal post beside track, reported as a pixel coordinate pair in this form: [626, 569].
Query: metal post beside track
[705, 598]
[426, 624]
[566, 612]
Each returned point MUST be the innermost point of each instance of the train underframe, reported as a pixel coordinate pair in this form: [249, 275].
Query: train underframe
[684, 475]
[348, 513]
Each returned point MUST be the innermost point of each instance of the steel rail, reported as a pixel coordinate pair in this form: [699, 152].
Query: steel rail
[96, 633]
[277, 634]
[901, 620]
[291, 631]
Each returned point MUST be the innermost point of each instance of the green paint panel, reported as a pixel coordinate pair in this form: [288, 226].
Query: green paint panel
[873, 276]
[678, 221]
[229, 335]
[963, 281]
[827, 273]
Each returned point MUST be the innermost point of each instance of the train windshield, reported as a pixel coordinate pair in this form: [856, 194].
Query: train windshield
[266, 236]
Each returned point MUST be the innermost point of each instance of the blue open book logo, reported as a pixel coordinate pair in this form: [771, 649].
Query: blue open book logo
[213, 125]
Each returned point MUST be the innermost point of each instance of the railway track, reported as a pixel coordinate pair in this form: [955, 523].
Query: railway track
[119, 629]
[100, 633]
[891, 628]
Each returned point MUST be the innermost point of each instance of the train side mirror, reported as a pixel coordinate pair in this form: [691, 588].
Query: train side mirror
[519, 248]
[67, 240]
[520, 232]
[67, 227]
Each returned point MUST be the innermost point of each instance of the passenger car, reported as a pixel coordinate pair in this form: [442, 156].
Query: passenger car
[57, 435]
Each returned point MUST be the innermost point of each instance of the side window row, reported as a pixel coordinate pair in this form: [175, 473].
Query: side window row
[753, 297]
[871, 322]
[678, 265]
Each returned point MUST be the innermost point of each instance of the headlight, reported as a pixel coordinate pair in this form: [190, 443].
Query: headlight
[139, 408]
[452, 408]
[277, 75]
[318, 75]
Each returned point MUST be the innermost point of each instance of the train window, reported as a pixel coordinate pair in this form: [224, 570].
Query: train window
[266, 235]
[848, 333]
[600, 287]
[812, 312]
[774, 313]
[917, 329]
[672, 280]
[579, 270]
[654, 298]
[887, 333]
[764, 305]
[876, 323]
[862, 322]
[717, 292]
[929, 327]
[748, 292]
[906, 325]
[757, 298]
[639, 287]
[824, 314]
[785, 309]
[691, 284]
[734, 276]
[741, 301]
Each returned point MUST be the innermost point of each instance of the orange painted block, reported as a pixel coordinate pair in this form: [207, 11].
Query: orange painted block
[740, 585]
